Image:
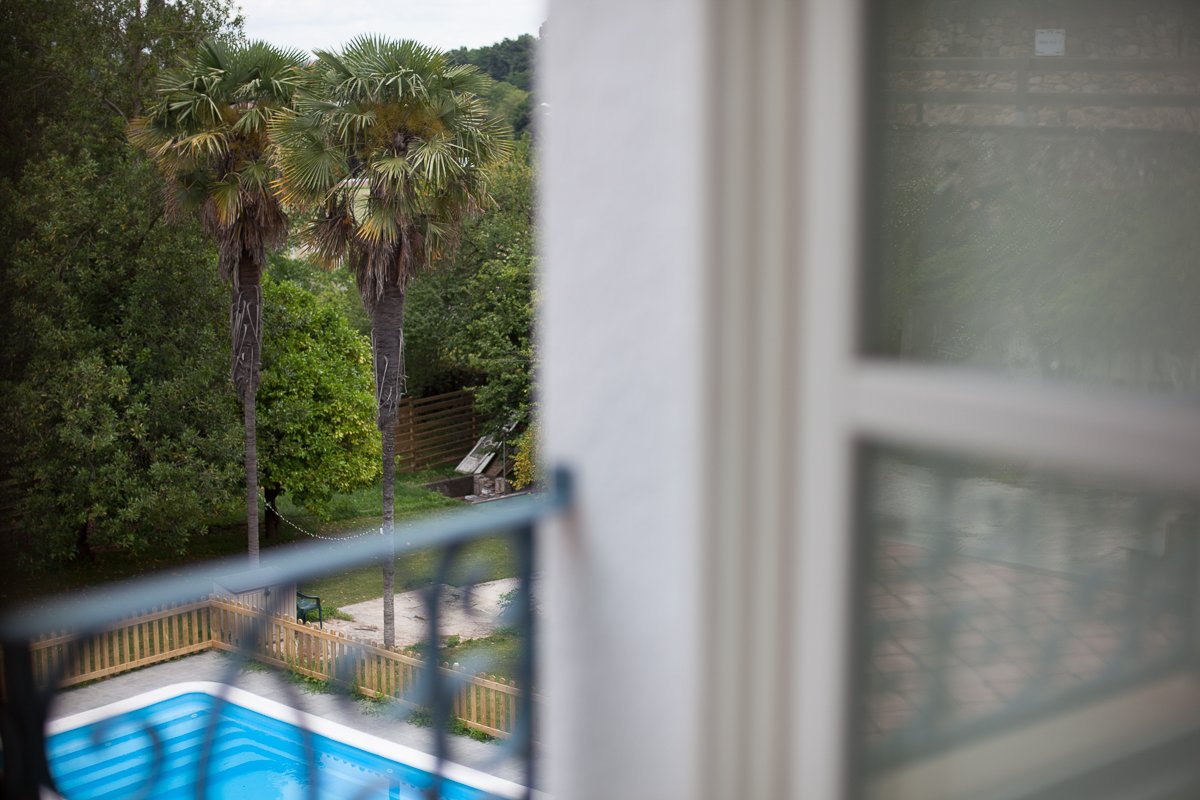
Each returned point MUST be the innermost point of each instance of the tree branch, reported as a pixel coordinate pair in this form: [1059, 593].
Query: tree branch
[153, 221]
[114, 107]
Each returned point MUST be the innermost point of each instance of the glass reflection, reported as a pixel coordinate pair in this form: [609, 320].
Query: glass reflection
[996, 595]
[1037, 185]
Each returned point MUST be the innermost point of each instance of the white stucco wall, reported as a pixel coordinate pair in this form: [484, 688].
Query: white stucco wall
[622, 205]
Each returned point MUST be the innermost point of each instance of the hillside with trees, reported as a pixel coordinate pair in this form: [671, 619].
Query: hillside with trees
[510, 64]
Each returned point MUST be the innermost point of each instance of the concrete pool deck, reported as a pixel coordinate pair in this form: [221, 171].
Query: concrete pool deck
[466, 613]
[377, 719]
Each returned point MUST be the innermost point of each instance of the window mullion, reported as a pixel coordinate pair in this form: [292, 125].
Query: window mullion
[1150, 441]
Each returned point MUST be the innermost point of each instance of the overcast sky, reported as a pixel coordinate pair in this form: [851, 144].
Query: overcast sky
[327, 24]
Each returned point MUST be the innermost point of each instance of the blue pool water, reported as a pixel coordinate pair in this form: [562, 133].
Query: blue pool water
[253, 756]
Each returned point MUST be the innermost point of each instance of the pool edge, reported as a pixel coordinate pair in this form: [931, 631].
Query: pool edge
[376, 745]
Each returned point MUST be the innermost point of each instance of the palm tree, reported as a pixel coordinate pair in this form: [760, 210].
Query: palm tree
[390, 147]
[207, 132]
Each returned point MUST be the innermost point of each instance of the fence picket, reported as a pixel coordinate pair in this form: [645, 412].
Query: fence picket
[484, 703]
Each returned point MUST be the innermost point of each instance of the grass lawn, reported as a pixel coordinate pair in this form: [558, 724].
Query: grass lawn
[499, 654]
[351, 513]
[360, 509]
[485, 560]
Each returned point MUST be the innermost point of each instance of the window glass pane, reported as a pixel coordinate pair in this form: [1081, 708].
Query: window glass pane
[996, 595]
[1037, 186]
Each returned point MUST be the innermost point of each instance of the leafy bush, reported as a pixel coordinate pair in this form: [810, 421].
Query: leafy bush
[316, 400]
[121, 430]
[525, 464]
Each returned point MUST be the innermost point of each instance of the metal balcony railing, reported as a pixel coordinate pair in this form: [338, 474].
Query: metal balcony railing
[35, 666]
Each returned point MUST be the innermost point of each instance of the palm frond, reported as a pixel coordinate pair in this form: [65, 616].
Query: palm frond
[256, 177]
[252, 120]
[207, 131]
[378, 224]
[439, 159]
[204, 144]
[393, 168]
[309, 174]
[330, 233]
[226, 198]
[466, 79]
[416, 143]
[211, 56]
[353, 120]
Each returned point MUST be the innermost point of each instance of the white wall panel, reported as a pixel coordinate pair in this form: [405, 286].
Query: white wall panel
[622, 316]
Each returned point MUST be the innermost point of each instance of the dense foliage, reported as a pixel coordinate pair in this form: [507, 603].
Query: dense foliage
[114, 394]
[122, 430]
[510, 61]
[331, 287]
[316, 425]
[75, 71]
[72, 73]
[525, 463]
[471, 322]
[510, 64]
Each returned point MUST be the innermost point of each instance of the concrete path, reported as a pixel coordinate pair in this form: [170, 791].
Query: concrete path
[377, 719]
[467, 614]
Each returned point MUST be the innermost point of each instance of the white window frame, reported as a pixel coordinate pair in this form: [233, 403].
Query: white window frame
[848, 400]
[702, 209]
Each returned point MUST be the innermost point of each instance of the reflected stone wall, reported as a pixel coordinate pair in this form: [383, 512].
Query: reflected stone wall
[1123, 65]
[1036, 211]
[1003, 28]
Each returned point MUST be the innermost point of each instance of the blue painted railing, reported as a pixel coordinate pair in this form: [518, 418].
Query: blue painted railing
[23, 715]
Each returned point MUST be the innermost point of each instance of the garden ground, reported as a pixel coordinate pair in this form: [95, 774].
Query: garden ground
[347, 515]
[352, 601]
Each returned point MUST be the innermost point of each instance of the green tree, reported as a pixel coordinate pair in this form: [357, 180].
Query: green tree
[316, 431]
[72, 73]
[392, 148]
[207, 131]
[496, 342]
[510, 64]
[333, 288]
[510, 104]
[495, 339]
[119, 427]
[113, 423]
[471, 323]
[510, 60]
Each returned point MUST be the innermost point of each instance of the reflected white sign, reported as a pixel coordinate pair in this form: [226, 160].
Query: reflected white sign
[1050, 42]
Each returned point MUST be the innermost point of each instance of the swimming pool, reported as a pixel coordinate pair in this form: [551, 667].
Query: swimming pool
[258, 751]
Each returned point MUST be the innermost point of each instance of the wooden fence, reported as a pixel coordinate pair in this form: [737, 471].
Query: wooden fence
[483, 703]
[151, 638]
[435, 430]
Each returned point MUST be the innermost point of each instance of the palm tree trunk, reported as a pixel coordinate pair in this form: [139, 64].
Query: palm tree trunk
[388, 433]
[387, 352]
[246, 331]
[248, 413]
